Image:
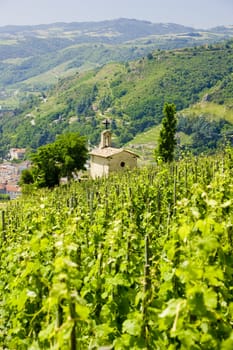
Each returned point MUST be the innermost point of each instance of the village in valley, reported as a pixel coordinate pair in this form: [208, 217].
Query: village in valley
[104, 160]
[10, 171]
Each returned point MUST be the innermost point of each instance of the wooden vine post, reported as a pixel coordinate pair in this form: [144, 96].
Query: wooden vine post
[146, 290]
[3, 226]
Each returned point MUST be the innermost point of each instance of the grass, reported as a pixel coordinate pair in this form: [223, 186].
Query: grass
[214, 110]
[147, 137]
[184, 138]
[11, 101]
[3, 205]
[51, 76]
[144, 144]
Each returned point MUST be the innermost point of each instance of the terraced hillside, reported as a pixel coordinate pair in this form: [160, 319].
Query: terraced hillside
[132, 94]
[33, 57]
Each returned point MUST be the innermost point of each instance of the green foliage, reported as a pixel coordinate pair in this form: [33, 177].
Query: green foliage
[167, 137]
[34, 62]
[137, 261]
[133, 95]
[45, 166]
[71, 153]
[26, 177]
[207, 134]
[4, 197]
[60, 158]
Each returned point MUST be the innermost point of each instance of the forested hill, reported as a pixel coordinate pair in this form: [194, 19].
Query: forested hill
[132, 95]
[33, 57]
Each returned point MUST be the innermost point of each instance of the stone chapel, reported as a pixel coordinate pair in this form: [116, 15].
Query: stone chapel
[106, 159]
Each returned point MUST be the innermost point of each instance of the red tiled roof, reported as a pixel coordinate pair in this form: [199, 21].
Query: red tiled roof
[12, 188]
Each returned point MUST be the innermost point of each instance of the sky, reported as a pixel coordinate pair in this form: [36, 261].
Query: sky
[194, 13]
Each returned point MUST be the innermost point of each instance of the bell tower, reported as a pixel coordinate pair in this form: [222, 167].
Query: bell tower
[106, 136]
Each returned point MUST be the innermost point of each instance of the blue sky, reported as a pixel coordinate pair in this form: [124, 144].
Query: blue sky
[195, 13]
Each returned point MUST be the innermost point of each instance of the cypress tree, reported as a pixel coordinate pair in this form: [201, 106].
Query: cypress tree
[167, 139]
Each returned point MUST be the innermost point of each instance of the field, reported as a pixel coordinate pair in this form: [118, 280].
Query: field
[213, 110]
[146, 142]
[137, 261]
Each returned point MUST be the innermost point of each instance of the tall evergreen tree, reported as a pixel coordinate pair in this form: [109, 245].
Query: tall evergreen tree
[167, 139]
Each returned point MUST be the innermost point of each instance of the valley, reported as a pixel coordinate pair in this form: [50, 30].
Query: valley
[141, 258]
[131, 94]
[33, 58]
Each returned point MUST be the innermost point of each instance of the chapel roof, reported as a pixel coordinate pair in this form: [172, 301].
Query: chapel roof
[109, 152]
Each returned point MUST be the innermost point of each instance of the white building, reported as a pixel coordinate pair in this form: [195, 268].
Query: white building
[106, 159]
[17, 153]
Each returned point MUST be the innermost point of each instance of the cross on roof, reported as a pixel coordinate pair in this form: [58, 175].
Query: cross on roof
[106, 122]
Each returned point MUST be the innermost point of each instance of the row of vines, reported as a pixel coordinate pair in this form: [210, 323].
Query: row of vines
[141, 260]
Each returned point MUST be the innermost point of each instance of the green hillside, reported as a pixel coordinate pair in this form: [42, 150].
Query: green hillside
[28, 53]
[137, 261]
[132, 95]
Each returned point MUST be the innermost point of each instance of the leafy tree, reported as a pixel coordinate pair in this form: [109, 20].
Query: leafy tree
[26, 177]
[60, 158]
[71, 152]
[167, 140]
[45, 166]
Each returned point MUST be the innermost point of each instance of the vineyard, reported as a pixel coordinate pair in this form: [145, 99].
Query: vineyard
[137, 261]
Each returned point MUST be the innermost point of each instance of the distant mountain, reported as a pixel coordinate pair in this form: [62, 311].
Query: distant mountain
[111, 32]
[222, 30]
[132, 94]
[34, 57]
